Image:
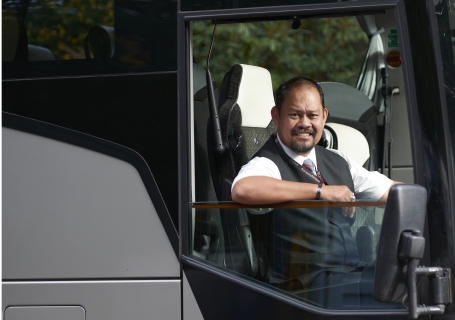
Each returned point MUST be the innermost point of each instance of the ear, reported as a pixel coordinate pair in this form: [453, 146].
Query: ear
[325, 114]
[275, 115]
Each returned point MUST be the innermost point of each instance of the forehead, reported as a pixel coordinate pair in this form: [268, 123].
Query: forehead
[304, 96]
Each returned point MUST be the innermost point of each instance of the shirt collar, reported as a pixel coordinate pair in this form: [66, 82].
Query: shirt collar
[297, 157]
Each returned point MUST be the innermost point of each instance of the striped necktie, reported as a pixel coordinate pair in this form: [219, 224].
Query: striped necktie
[307, 163]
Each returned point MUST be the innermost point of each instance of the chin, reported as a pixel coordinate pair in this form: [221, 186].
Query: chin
[302, 148]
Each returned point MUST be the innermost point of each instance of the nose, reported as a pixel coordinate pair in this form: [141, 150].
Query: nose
[304, 121]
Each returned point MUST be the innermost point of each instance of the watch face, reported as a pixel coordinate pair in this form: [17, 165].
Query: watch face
[318, 192]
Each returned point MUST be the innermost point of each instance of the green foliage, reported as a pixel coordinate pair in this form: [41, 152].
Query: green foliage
[329, 49]
[61, 25]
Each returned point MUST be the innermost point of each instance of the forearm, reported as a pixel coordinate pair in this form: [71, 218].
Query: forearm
[386, 194]
[263, 190]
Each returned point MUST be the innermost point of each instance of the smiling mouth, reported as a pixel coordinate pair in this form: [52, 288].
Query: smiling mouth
[303, 133]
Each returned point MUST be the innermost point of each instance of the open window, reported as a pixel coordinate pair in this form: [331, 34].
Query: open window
[345, 54]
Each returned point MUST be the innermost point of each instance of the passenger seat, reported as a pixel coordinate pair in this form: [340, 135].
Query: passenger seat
[348, 140]
[14, 39]
[37, 53]
[99, 42]
[352, 108]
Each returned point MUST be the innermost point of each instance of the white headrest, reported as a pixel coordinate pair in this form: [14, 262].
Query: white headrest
[255, 96]
[351, 142]
[36, 53]
[327, 135]
[111, 32]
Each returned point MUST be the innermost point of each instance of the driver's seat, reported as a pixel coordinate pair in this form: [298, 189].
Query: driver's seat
[245, 101]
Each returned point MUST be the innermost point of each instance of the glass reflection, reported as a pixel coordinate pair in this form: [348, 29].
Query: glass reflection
[71, 37]
[309, 250]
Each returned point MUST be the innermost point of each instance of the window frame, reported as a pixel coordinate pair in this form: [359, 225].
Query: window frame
[185, 123]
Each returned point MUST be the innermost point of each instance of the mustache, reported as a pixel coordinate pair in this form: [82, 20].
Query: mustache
[296, 131]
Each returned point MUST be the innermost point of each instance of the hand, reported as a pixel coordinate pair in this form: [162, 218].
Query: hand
[348, 211]
[339, 194]
[336, 193]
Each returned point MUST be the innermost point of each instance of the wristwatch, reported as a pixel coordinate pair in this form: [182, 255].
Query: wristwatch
[318, 192]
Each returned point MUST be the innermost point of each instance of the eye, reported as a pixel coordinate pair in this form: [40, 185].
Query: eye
[293, 115]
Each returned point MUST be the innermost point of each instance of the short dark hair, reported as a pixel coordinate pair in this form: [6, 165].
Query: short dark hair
[296, 82]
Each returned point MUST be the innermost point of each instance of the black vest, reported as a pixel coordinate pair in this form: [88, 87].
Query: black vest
[333, 168]
[303, 243]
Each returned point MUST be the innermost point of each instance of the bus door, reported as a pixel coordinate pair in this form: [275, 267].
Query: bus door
[236, 263]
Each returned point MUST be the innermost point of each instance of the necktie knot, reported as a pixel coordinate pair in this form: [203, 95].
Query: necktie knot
[307, 163]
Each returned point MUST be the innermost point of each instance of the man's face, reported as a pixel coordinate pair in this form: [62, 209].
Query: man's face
[301, 120]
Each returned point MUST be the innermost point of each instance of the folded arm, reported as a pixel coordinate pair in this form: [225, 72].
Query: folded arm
[263, 190]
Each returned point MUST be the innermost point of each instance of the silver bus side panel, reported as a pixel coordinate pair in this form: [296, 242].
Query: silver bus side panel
[73, 213]
[113, 300]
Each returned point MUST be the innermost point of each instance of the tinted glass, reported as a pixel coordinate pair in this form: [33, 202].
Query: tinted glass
[78, 37]
[309, 250]
[125, 109]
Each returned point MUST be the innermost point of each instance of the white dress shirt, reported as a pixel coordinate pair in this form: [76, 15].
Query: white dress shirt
[369, 185]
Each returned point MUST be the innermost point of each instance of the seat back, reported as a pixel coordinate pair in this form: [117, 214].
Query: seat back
[99, 42]
[246, 98]
[37, 53]
[14, 38]
[209, 236]
[353, 108]
[348, 140]
[245, 102]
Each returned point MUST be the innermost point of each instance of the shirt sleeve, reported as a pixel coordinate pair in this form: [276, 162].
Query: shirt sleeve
[258, 166]
[367, 184]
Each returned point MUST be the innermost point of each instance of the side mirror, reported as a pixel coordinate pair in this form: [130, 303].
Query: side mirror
[401, 246]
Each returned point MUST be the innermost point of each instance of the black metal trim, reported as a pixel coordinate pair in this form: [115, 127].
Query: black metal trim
[183, 140]
[320, 8]
[413, 122]
[411, 99]
[183, 65]
[285, 298]
[423, 131]
[445, 116]
[102, 146]
[181, 84]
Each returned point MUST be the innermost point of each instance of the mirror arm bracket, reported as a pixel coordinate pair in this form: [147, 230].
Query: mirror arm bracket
[411, 249]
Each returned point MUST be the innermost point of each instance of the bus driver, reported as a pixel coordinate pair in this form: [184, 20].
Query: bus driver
[291, 166]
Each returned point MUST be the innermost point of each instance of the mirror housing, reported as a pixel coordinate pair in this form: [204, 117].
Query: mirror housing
[405, 211]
